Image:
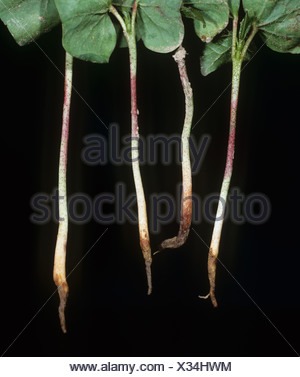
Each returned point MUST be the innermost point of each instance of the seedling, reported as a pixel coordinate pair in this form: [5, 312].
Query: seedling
[210, 18]
[278, 22]
[128, 27]
[186, 198]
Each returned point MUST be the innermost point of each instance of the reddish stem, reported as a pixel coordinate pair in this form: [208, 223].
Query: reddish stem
[216, 236]
[59, 270]
[141, 203]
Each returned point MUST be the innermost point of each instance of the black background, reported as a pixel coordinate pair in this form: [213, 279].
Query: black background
[108, 312]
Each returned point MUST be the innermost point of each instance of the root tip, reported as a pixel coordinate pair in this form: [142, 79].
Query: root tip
[149, 277]
[214, 301]
[63, 296]
[212, 297]
[204, 297]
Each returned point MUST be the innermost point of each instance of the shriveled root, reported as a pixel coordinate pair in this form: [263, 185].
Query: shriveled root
[145, 246]
[212, 279]
[63, 291]
[59, 272]
[173, 243]
[149, 277]
[212, 260]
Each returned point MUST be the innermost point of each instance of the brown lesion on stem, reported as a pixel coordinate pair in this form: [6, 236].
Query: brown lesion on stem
[186, 200]
[63, 291]
[184, 228]
[59, 273]
[146, 250]
[212, 265]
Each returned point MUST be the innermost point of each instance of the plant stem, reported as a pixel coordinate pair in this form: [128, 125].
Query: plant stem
[59, 271]
[141, 203]
[234, 36]
[237, 60]
[186, 199]
[215, 241]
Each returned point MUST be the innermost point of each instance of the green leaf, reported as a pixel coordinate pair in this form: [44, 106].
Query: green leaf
[234, 6]
[218, 52]
[279, 22]
[259, 9]
[88, 32]
[28, 19]
[216, 17]
[195, 14]
[215, 54]
[160, 24]
[127, 4]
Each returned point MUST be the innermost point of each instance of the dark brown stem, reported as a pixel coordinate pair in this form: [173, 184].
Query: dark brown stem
[186, 199]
